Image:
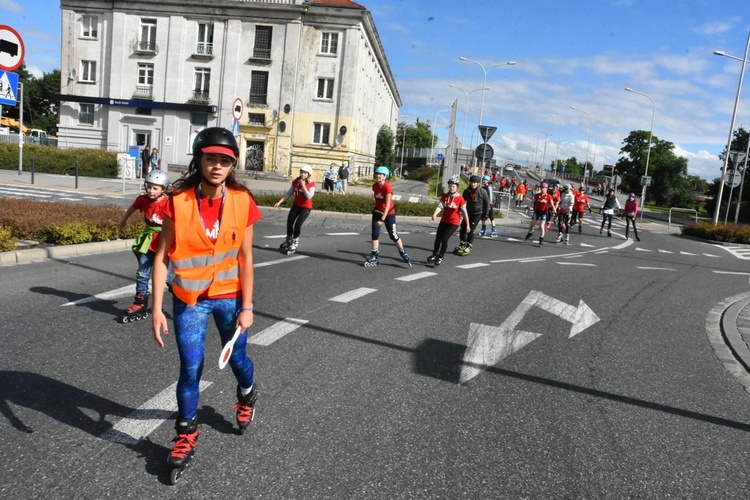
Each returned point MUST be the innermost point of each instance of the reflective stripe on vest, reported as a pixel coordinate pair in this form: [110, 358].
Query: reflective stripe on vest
[200, 266]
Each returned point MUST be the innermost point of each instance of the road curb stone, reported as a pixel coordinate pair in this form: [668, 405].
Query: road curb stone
[726, 339]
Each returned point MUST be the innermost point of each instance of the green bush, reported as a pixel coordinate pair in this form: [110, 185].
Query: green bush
[68, 234]
[351, 203]
[7, 240]
[51, 160]
[730, 233]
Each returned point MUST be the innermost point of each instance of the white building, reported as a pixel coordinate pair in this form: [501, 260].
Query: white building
[308, 80]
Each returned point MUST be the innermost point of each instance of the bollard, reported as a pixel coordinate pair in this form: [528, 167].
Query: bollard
[33, 168]
[76, 174]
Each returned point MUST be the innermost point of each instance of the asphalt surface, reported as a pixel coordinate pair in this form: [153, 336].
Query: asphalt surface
[362, 398]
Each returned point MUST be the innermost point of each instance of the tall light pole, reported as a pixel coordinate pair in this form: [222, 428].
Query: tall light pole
[747, 150]
[484, 86]
[544, 154]
[466, 109]
[434, 140]
[648, 154]
[731, 132]
[403, 146]
[559, 135]
[588, 143]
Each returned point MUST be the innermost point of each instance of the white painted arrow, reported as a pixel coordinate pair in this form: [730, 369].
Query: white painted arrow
[487, 345]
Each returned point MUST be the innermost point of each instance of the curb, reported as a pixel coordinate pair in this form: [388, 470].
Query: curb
[725, 338]
[61, 252]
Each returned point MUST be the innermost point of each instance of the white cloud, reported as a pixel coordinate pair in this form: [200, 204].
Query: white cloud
[10, 6]
[717, 27]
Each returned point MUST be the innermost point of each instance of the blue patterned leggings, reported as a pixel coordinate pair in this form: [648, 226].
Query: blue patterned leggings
[190, 323]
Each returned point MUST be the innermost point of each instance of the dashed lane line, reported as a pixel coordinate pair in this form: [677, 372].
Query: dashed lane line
[352, 295]
[275, 332]
[417, 276]
[644, 268]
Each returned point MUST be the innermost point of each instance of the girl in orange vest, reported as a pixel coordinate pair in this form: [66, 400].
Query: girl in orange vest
[208, 237]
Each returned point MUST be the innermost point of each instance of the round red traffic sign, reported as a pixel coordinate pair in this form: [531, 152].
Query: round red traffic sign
[12, 50]
[237, 107]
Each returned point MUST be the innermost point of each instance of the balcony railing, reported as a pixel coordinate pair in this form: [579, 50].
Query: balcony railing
[261, 53]
[145, 47]
[204, 49]
[143, 92]
[200, 96]
[258, 99]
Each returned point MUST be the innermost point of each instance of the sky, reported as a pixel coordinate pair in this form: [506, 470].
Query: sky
[581, 53]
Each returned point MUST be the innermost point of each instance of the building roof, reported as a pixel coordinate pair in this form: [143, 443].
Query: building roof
[337, 3]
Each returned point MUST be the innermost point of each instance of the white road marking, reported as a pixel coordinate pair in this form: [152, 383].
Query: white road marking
[731, 272]
[70, 199]
[586, 245]
[739, 252]
[280, 261]
[30, 195]
[711, 255]
[413, 199]
[686, 253]
[112, 294]
[664, 251]
[656, 268]
[342, 234]
[513, 239]
[417, 276]
[524, 261]
[472, 266]
[576, 264]
[639, 249]
[576, 256]
[353, 295]
[143, 421]
[275, 332]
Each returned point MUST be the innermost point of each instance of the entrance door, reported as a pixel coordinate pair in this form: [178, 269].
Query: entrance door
[143, 140]
[254, 156]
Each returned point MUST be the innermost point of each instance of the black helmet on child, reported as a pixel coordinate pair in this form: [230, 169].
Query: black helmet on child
[216, 140]
[473, 178]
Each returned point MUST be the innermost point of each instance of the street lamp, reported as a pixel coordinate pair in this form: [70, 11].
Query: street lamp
[403, 146]
[648, 154]
[484, 87]
[544, 154]
[466, 109]
[731, 130]
[588, 143]
[559, 135]
[434, 139]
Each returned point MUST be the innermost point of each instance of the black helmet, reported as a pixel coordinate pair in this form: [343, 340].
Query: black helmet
[474, 178]
[222, 140]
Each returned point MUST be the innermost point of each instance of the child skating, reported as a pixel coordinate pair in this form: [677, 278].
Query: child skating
[384, 213]
[208, 237]
[152, 206]
[303, 190]
[453, 206]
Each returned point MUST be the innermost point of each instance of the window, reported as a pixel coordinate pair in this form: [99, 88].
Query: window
[262, 48]
[325, 88]
[199, 119]
[144, 88]
[88, 71]
[202, 81]
[88, 26]
[256, 118]
[86, 114]
[258, 87]
[205, 39]
[321, 133]
[329, 43]
[147, 43]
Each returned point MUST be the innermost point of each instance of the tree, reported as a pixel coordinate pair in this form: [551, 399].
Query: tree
[739, 143]
[40, 106]
[418, 135]
[384, 154]
[669, 181]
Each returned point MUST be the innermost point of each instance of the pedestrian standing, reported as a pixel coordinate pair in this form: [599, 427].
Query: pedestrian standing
[329, 179]
[303, 190]
[208, 237]
[343, 177]
[384, 213]
[631, 211]
[154, 160]
[477, 205]
[454, 212]
[608, 210]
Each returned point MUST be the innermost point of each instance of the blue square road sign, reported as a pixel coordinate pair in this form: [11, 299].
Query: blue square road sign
[8, 88]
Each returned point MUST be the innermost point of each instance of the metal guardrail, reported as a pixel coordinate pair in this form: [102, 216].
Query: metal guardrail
[669, 220]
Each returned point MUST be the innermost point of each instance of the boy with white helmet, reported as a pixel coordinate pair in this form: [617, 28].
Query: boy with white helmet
[151, 205]
[453, 206]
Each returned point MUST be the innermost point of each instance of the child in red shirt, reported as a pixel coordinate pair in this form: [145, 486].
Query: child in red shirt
[453, 206]
[384, 213]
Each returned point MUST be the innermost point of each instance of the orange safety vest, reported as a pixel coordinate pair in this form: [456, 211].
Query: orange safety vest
[202, 267]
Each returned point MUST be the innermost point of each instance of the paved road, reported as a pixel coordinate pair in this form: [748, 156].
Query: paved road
[361, 397]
